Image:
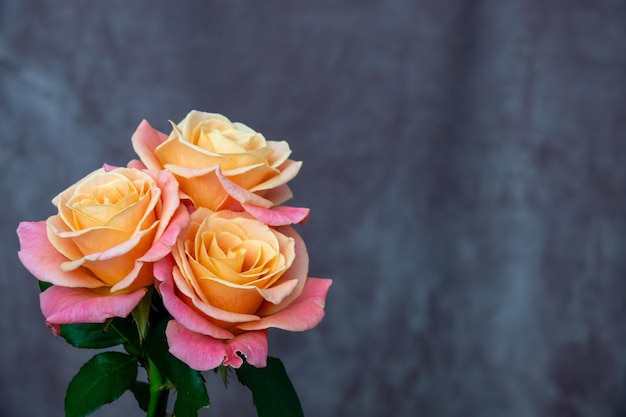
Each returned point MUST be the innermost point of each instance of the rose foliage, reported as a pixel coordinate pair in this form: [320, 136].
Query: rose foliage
[185, 257]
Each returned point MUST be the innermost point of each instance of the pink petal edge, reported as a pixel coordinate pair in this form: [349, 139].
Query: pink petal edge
[42, 260]
[278, 216]
[241, 194]
[164, 243]
[63, 305]
[145, 140]
[279, 194]
[306, 312]
[136, 164]
[202, 352]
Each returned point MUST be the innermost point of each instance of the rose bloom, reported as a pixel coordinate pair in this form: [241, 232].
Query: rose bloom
[98, 250]
[230, 278]
[224, 165]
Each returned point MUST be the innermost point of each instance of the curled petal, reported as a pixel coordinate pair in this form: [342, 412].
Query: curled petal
[145, 140]
[304, 313]
[278, 216]
[170, 201]
[280, 152]
[288, 170]
[298, 271]
[165, 242]
[202, 352]
[187, 172]
[278, 293]
[241, 194]
[62, 305]
[279, 194]
[44, 261]
[136, 164]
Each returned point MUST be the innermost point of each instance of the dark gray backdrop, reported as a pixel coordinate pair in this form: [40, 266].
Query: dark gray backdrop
[465, 163]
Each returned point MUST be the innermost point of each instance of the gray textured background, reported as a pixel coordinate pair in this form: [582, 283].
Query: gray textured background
[465, 162]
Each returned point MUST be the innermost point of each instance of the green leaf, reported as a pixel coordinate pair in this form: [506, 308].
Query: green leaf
[44, 285]
[100, 381]
[272, 391]
[90, 336]
[141, 391]
[189, 384]
[127, 330]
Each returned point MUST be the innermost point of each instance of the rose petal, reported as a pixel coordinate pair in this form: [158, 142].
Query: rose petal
[231, 297]
[278, 216]
[164, 243]
[241, 194]
[288, 170]
[298, 271]
[108, 168]
[204, 190]
[136, 164]
[178, 309]
[43, 261]
[277, 293]
[62, 305]
[279, 194]
[304, 313]
[253, 345]
[203, 353]
[145, 140]
[280, 152]
[170, 201]
[187, 172]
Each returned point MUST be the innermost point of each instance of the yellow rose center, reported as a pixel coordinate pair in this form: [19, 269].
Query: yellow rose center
[108, 200]
[101, 212]
[226, 260]
[217, 137]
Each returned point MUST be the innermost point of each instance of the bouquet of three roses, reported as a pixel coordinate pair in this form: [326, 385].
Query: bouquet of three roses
[185, 258]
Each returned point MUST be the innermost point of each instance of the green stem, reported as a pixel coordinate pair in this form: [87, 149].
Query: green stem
[158, 394]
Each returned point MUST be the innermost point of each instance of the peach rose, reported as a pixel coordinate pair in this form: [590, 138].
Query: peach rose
[230, 278]
[224, 165]
[99, 248]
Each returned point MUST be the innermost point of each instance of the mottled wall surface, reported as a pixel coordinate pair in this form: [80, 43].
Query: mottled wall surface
[465, 163]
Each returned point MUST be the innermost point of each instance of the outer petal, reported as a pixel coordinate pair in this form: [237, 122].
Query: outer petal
[203, 352]
[279, 194]
[44, 261]
[170, 200]
[145, 140]
[165, 242]
[304, 313]
[288, 170]
[277, 293]
[253, 345]
[298, 271]
[241, 194]
[62, 305]
[280, 152]
[136, 164]
[278, 216]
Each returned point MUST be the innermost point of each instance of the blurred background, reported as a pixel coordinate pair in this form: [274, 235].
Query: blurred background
[465, 164]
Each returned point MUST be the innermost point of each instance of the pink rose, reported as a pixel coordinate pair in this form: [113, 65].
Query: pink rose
[224, 165]
[230, 278]
[99, 249]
